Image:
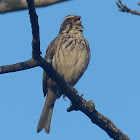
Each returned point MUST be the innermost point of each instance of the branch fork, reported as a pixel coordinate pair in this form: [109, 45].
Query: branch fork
[124, 8]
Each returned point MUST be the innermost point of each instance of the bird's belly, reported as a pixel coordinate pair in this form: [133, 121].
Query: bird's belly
[71, 63]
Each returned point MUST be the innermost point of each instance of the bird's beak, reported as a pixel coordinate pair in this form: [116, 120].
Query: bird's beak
[77, 21]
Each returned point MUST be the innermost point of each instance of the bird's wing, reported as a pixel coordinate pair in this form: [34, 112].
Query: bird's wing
[49, 56]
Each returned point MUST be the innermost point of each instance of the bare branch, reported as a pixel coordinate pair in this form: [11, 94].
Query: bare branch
[124, 8]
[16, 5]
[35, 30]
[19, 66]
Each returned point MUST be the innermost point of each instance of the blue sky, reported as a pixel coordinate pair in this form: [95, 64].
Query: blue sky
[112, 79]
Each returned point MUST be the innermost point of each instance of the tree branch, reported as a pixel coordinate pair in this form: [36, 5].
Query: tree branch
[19, 66]
[78, 103]
[16, 5]
[35, 30]
[124, 8]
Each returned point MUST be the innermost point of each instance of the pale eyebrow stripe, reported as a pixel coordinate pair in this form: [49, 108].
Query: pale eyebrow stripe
[71, 16]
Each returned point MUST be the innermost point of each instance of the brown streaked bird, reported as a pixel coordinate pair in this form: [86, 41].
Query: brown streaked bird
[69, 54]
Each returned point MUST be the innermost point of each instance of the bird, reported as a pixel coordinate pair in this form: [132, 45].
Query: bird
[69, 54]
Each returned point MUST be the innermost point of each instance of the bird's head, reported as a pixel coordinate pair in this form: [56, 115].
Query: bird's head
[71, 22]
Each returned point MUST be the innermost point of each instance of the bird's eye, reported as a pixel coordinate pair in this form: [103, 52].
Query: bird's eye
[68, 19]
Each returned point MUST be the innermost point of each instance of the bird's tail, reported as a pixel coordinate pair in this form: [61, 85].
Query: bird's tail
[47, 111]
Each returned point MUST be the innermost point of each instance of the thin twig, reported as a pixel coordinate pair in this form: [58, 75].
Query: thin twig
[124, 8]
[19, 66]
